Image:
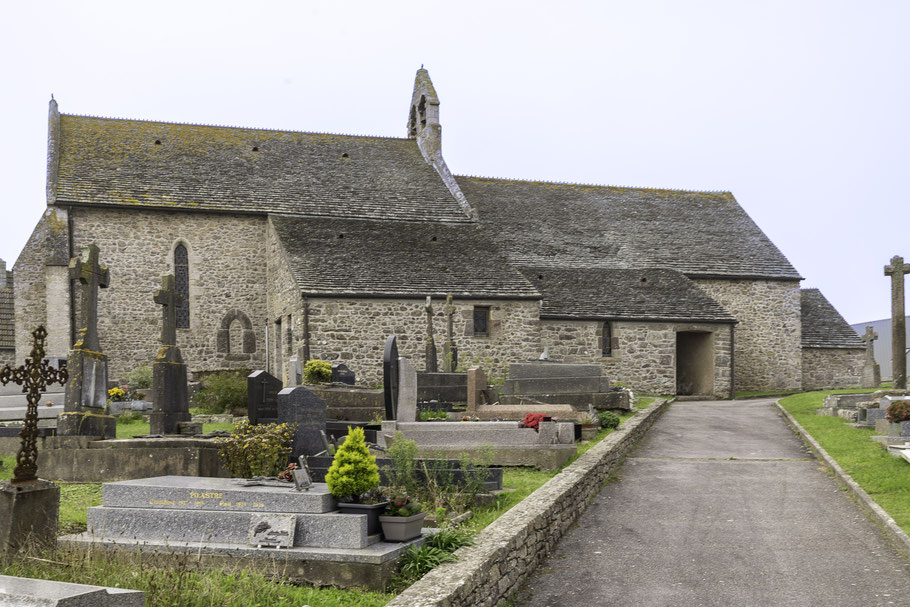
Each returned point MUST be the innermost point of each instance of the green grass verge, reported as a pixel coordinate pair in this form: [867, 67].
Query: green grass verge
[141, 428]
[884, 477]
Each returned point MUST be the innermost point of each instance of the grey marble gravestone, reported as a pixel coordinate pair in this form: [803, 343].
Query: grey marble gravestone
[262, 390]
[407, 391]
[390, 377]
[33, 592]
[300, 406]
[170, 403]
[341, 374]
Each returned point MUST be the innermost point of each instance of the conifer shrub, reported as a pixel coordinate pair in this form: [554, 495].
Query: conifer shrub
[317, 371]
[256, 450]
[354, 470]
[608, 419]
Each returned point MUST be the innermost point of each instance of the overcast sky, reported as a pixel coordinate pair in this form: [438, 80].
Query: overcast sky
[800, 108]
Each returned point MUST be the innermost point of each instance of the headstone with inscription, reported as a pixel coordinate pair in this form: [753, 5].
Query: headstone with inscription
[407, 391]
[341, 374]
[390, 377]
[262, 390]
[86, 391]
[170, 403]
[300, 406]
[896, 271]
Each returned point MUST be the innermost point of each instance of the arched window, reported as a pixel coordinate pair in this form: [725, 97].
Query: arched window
[607, 343]
[182, 278]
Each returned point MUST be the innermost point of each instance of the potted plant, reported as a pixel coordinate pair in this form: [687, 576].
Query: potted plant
[403, 519]
[353, 478]
[588, 426]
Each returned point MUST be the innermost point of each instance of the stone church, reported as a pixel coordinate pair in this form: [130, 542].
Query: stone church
[321, 245]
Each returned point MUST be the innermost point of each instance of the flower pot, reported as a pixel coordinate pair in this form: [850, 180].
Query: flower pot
[588, 432]
[402, 528]
[371, 510]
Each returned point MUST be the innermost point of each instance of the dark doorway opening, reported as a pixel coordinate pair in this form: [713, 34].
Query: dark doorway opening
[694, 363]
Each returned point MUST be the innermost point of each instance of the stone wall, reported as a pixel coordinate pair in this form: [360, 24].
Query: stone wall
[7, 356]
[509, 550]
[46, 255]
[226, 265]
[643, 354]
[829, 368]
[768, 337]
[285, 303]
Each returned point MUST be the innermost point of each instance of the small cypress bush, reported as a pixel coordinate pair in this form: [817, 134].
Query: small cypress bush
[354, 470]
[608, 419]
[317, 371]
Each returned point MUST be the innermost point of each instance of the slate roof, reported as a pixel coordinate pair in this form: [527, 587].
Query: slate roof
[7, 313]
[342, 257]
[105, 161]
[603, 294]
[823, 326]
[701, 234]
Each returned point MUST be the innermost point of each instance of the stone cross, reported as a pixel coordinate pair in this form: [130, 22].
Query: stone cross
[91, 275]
[448, 349]
[168, 297]
[432, 364]
[390, 377]
[869, 337]
[34, 377]
[896, 271]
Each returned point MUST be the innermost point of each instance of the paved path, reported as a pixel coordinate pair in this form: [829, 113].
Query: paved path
[722, 505]
[13, 403]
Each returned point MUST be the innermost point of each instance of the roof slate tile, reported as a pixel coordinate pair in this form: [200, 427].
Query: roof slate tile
[823, 326]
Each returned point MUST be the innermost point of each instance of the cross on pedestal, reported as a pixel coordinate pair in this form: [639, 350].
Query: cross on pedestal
[91, 275]
[868, 337]
[168, 297]
[896, 271]
[34, 377]
[449, 346]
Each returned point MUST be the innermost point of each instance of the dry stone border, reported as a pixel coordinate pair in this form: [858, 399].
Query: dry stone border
[509, 549]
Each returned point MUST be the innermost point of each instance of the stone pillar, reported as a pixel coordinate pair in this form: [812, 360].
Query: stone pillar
[896, 271]
[477, 383]
[407, 391]
[28, 516]
[170, 404]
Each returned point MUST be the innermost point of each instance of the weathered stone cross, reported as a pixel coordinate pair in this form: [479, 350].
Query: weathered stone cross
[34, 377]
[449, 351]
[91, 275]
[896, 271]
[168, 297]
[432, 365]
[869, 337]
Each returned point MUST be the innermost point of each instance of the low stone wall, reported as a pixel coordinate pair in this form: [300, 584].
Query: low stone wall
[508, 551]
[830, 368]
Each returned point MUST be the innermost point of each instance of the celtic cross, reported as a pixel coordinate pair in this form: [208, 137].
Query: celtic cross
[896, 271]
[168, 297]
[869, 337]
[34, 377]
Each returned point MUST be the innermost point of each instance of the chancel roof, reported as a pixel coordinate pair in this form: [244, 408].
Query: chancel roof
[823, 326]
[104, 161]
[606, 294]
[364, 258]
[701, 234]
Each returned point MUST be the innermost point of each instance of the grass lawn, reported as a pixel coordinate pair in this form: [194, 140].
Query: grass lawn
[882, 476]
[140, 428]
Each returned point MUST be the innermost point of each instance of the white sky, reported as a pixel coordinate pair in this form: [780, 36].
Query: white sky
[798, 107]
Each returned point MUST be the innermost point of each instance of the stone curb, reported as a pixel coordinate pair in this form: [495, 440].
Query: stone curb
[865, 501]
[509, 549]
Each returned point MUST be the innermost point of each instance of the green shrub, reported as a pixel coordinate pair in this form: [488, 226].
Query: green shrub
[317, 371]
[140, 377]
[450, 539]
[129, 418]
[221, 391]
[260, 450]
[400, 474]
[899, 411]
[428, 414]
[354, 470]
[608, 419]
[402, 505]
[418, 560]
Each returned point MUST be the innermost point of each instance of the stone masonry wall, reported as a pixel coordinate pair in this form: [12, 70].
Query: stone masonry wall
[7, 357]
[284, 300]
[508, 551]
[226, 267]
[47, 246]
[643, 354]
[829, 368]
[768, 337]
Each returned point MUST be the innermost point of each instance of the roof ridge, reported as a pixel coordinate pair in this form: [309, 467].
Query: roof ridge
[231, 126]
[595, 185]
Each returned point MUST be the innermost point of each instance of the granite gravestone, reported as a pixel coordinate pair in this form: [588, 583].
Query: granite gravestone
[86, 391]
[872, 375]
[262, 390]
[170, 404]
[298, 405]
[896, 271]
[432, 364]
[407, 391]
[390, 377]
[341, 374]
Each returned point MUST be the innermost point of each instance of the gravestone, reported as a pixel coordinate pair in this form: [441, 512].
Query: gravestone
[46, 593]
[300, 406]
[432, 364]
[407, 391]
[872, 375]
[262, 390]
[294, 371]
[477, 383]
[170, 403]
[86, 391]
[390, 377]
[341, 374]
[896, 271]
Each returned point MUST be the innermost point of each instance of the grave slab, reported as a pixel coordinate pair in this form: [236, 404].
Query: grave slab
[29, 592]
